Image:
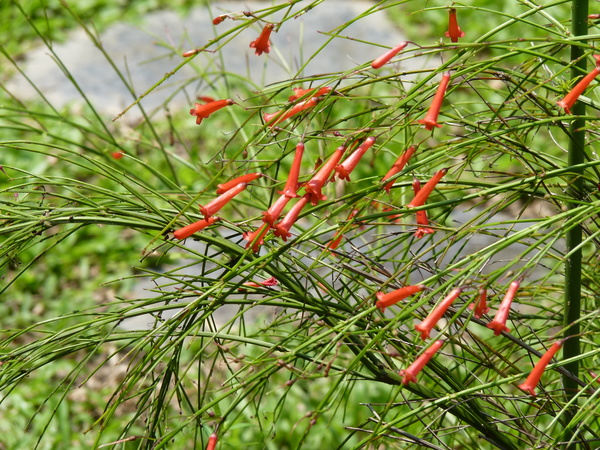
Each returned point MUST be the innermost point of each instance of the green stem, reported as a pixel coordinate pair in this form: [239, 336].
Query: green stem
[572, 301]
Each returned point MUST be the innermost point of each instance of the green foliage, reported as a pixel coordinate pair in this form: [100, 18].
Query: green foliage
[311, 362]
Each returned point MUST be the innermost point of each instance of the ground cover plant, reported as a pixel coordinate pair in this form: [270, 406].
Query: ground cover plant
[378, 257]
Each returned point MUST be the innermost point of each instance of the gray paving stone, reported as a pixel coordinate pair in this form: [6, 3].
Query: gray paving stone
[140, 52]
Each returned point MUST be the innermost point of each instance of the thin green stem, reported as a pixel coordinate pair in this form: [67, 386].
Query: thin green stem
[572, 300]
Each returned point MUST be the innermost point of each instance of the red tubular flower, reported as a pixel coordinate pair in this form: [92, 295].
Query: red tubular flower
[499, 322]
[338, 236]
[203, 111]
[222, 188]
[299, 92]
[118, 155]
[313, 186]
[395, 217]
[274, 118]
[212, 442]
[291, 185]
[480, 306]
[262, 43]
[206, 98]
[398, 166]
[351, 161]
[426, 191]
[335, 241]
[383, 59]
[282, 229]
[410, 374]
[265, 283]
[422, 220]
[534, 377]
[579, 88]
[454, 32]
[430, 120]
[192, 228]
[391, 298]
[211, 208]
[256, 237]
[273, 213]
[352, 215]
[427, 325]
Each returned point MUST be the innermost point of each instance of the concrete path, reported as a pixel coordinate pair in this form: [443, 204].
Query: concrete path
[146, 51]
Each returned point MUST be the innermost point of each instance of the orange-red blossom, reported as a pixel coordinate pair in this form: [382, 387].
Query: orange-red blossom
[203, 111]
[192, 228]
[256, 237]
[424, 193]
[314, 92]
[315, 184]
[454, 32]
[352, 161]
[282, 229]
[336, 240]
[262, 44]
[268, 283]
[222, 188]
[391, 298]
[383, 59]
[273, 213]
[569, 100]
[274, 118]
[480, 306]
[410, 374]
[499, 322]
[423, 227]
[212, 442]
[430, 120]
[291, 185]
[398, 166]
[214, 206]
[534, 377]
[427, 325]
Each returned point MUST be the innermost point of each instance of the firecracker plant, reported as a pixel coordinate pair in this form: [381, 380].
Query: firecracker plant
[371, 258]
